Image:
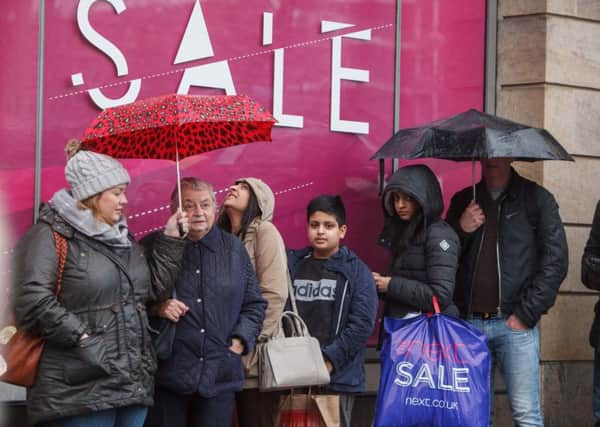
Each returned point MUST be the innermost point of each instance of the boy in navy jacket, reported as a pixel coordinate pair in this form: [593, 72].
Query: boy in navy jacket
[336, 297]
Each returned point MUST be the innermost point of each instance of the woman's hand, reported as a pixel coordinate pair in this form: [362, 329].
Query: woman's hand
[236, 346]
[172, 309]
[381, 282]
[179, 220]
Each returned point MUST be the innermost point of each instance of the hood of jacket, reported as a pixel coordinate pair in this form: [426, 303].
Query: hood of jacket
[419, 182]
[264, 197]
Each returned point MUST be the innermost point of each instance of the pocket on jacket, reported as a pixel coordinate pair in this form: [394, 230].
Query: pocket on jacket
[162, 333]
[81, 260]
[352, 375]
[89, 363]
[231, 369]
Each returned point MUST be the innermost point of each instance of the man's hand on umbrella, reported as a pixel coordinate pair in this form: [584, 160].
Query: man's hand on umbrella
[472, 218]
[178, 222]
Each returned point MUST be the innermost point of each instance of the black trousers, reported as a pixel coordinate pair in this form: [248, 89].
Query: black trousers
[257, 409]
[176, 410]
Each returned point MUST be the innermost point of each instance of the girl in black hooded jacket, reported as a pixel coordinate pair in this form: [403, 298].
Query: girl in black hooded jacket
[424, 248]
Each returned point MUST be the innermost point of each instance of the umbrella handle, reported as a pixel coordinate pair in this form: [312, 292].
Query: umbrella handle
[381, 175]
[178, 177]
[473, 177]
[179, 225]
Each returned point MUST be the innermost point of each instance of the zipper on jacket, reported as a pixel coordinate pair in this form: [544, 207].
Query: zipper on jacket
[339, 320]
[475, 269]
[144, 339]
[115, 310]
[144, 332]
[499, 308]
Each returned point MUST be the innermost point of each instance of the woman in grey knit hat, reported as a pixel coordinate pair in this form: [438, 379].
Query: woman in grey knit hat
[98, 363]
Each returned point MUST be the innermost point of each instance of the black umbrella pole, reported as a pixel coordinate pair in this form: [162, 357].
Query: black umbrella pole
[381, 175]
[473, 177]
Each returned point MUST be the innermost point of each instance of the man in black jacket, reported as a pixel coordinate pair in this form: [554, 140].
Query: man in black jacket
[514, 258]
[590, 277]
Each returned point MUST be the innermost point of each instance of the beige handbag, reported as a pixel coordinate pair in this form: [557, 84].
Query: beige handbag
[291, 361]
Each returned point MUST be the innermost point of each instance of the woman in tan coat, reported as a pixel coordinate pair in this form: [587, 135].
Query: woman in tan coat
[247, 212]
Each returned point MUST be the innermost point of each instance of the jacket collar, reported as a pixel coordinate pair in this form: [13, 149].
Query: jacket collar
[210, 241]
[512, 189]
[514, 184]
[336, 262]
[56, 222]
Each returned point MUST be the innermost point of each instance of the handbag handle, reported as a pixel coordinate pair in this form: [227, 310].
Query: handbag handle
[61, 245]
[292, 296]
[436, 305]
[299, 328]
[294, 309]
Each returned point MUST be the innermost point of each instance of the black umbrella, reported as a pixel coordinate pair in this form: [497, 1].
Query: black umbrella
[472, 135]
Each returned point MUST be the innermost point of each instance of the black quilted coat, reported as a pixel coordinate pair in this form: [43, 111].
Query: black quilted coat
[427, 265]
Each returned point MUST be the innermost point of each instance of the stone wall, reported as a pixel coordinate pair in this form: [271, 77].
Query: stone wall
[548, 75]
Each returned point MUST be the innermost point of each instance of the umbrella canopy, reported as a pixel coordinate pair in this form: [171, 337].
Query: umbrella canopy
[177, 126]
[173, 127]
[473, 135]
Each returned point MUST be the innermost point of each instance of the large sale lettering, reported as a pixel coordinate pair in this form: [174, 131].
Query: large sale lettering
[458, 382]
[196, 44]
[436, 353]
[113, 52]
[435, 372]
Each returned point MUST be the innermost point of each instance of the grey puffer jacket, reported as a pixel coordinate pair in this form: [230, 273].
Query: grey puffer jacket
[115, 366]
[427, 265]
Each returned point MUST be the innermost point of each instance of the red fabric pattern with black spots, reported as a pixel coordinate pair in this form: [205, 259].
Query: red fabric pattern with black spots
[153, 128]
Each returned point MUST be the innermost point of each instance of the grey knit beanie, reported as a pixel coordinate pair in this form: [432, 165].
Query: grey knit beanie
[90, 173]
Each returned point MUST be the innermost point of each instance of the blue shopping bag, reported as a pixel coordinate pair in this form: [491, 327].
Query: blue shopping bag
[435, 371]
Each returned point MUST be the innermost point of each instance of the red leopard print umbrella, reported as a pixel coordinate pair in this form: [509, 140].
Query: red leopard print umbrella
[158, 128]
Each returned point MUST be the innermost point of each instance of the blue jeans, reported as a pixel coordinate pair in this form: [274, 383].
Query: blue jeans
[128, 416]
[517, 354]
[596, 397]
